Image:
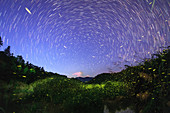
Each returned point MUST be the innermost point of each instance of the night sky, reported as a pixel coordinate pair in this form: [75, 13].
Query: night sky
[84, 37]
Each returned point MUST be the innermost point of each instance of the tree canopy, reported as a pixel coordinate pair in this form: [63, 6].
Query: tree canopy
[1, 43]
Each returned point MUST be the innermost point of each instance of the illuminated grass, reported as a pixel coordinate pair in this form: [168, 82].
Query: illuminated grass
[90, 86]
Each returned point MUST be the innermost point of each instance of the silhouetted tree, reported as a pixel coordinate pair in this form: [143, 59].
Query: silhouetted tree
[42, 69]
[20, 59]
[1, 43]
[27, 63]
[7, 51]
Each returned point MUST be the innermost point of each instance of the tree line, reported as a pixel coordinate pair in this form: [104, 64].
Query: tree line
[15, 67]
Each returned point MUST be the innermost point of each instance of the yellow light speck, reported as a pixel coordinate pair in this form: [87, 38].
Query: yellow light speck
[18, 65]
[163, 60]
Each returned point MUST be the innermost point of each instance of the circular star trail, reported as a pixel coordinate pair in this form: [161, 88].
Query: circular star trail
[84, 36]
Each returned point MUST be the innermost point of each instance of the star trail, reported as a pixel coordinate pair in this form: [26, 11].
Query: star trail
[84, 36]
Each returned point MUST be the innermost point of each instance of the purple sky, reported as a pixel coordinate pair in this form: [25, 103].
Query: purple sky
[84, 36]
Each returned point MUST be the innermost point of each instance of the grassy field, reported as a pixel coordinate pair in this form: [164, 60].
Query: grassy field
[51, 94]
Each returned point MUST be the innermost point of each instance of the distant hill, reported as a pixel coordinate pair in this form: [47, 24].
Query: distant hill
[103, 77]
[84, 79]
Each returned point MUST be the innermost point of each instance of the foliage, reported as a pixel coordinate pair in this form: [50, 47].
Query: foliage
[113, 89]
[152, 76]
